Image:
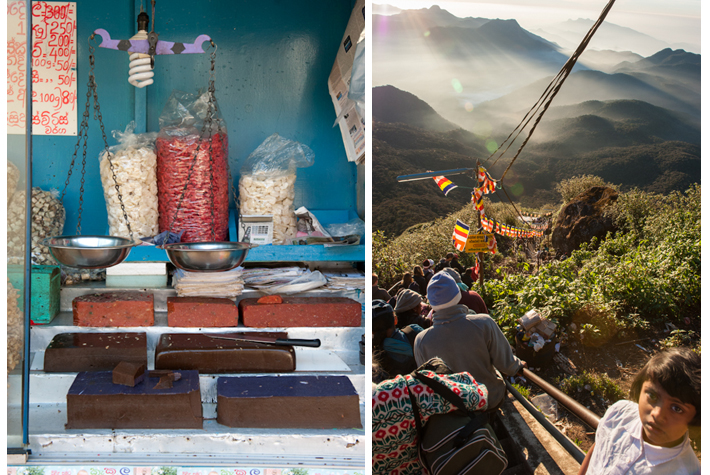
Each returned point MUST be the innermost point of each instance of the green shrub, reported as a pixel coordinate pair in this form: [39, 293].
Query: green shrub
[596, 385]
[577, 185]
[646, 274]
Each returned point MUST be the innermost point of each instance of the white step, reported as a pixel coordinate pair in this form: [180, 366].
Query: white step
[215, 444]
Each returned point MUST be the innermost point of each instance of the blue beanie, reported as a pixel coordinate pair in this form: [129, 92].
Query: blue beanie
[442, 291]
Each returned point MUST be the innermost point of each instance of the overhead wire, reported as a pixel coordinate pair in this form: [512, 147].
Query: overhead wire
[548, 95]
[544, 102]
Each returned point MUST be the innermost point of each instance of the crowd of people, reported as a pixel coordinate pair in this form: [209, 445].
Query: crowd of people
[432, 314]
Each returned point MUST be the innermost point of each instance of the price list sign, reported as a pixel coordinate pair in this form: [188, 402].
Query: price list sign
[53, 68]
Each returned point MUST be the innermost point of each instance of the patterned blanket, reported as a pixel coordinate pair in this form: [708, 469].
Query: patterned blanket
[394, 434]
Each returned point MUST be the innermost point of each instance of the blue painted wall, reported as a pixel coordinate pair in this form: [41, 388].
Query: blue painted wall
[273, 62]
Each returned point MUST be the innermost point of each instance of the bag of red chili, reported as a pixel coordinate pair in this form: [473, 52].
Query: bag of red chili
[193, 188]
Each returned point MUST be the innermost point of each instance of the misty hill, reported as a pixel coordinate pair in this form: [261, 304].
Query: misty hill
[569, 34]
[393, 105]
[682, 95]
[631, 143]
[493, 38]
[676, 64]
[423, 19]
[607, 60]
[440, 63]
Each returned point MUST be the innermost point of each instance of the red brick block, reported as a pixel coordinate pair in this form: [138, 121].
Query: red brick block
[302, 312]
[114, 309]
[202, 312]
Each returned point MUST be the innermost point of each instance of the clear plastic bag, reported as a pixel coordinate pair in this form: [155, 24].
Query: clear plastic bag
[15, 329]
[205, 204]
[134, 164]
[354, 226]
[13, 178]
[48, 216]
[267, 183]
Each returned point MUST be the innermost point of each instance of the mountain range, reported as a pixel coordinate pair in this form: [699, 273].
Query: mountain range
[627, 142]
[455, 88]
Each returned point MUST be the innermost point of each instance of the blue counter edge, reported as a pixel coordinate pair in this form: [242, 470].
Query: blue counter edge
[271, 253]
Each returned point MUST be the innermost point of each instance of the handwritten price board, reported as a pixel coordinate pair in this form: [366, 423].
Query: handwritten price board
[54, 101]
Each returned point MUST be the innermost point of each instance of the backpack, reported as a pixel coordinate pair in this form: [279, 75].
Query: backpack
[460, 442]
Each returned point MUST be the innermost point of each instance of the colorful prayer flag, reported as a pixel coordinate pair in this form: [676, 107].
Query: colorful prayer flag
[460, 235]
[445, 184]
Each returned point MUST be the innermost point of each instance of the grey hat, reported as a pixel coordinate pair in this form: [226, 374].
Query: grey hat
[453, 273]
[407, 300]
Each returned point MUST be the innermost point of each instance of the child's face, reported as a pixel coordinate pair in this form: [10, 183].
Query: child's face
[665, 419]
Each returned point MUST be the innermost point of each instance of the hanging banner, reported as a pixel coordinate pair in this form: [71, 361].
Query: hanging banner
[479, 242]
[445, 184]
[53, 68]
[460, 235]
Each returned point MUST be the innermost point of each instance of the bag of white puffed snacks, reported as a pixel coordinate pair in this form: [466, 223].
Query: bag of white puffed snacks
[266, 184]
[134, 166]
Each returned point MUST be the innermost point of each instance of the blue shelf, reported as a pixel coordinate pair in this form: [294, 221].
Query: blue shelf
[314, 252]
[271, 253]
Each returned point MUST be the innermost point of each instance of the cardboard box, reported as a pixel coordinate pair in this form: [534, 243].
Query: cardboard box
[352, 126]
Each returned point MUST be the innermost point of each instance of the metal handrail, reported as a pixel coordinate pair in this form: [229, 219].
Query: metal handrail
[566, 444]
[587, 416]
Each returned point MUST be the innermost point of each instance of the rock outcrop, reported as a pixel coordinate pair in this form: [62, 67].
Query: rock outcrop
[583, 219]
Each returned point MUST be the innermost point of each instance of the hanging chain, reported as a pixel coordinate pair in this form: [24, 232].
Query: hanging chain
[83, 136]
[97, 116]
[206, 126]
[212, 109]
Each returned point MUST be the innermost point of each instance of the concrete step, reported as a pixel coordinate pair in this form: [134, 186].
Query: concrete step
[50, 441]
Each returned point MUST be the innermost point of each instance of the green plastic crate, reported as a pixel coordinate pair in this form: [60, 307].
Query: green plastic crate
[46, 285]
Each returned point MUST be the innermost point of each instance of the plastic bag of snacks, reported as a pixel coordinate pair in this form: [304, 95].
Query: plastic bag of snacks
[48, 217]
[266, 185]
[15, 329]
[134, 164]
[205, 204]
[13, 178]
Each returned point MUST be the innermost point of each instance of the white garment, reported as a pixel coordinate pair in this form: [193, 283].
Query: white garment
[620, 448]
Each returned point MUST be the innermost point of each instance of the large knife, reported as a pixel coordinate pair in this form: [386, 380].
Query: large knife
[274, 341]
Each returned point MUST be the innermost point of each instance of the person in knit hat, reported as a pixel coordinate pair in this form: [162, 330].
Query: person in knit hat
[428, 269]
[469, 298]
[409, 310]
[467, 342]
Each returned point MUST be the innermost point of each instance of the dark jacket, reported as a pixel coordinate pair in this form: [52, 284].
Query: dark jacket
[441, 265]
[457, 265]
[409, 317]
[394, 364]
[473, 301]
[422, 282]
[467, 279]
[378, 293]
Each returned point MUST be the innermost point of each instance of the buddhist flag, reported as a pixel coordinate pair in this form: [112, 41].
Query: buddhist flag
[444, 183]
[460, 235]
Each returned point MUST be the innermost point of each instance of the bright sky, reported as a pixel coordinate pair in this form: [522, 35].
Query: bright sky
[674, 21]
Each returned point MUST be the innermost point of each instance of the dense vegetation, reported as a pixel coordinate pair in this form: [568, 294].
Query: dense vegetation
[644, 276]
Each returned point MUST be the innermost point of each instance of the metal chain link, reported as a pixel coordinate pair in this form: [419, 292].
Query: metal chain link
[91, 90]
[97, 115]
[212, 109]
[207, 123]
